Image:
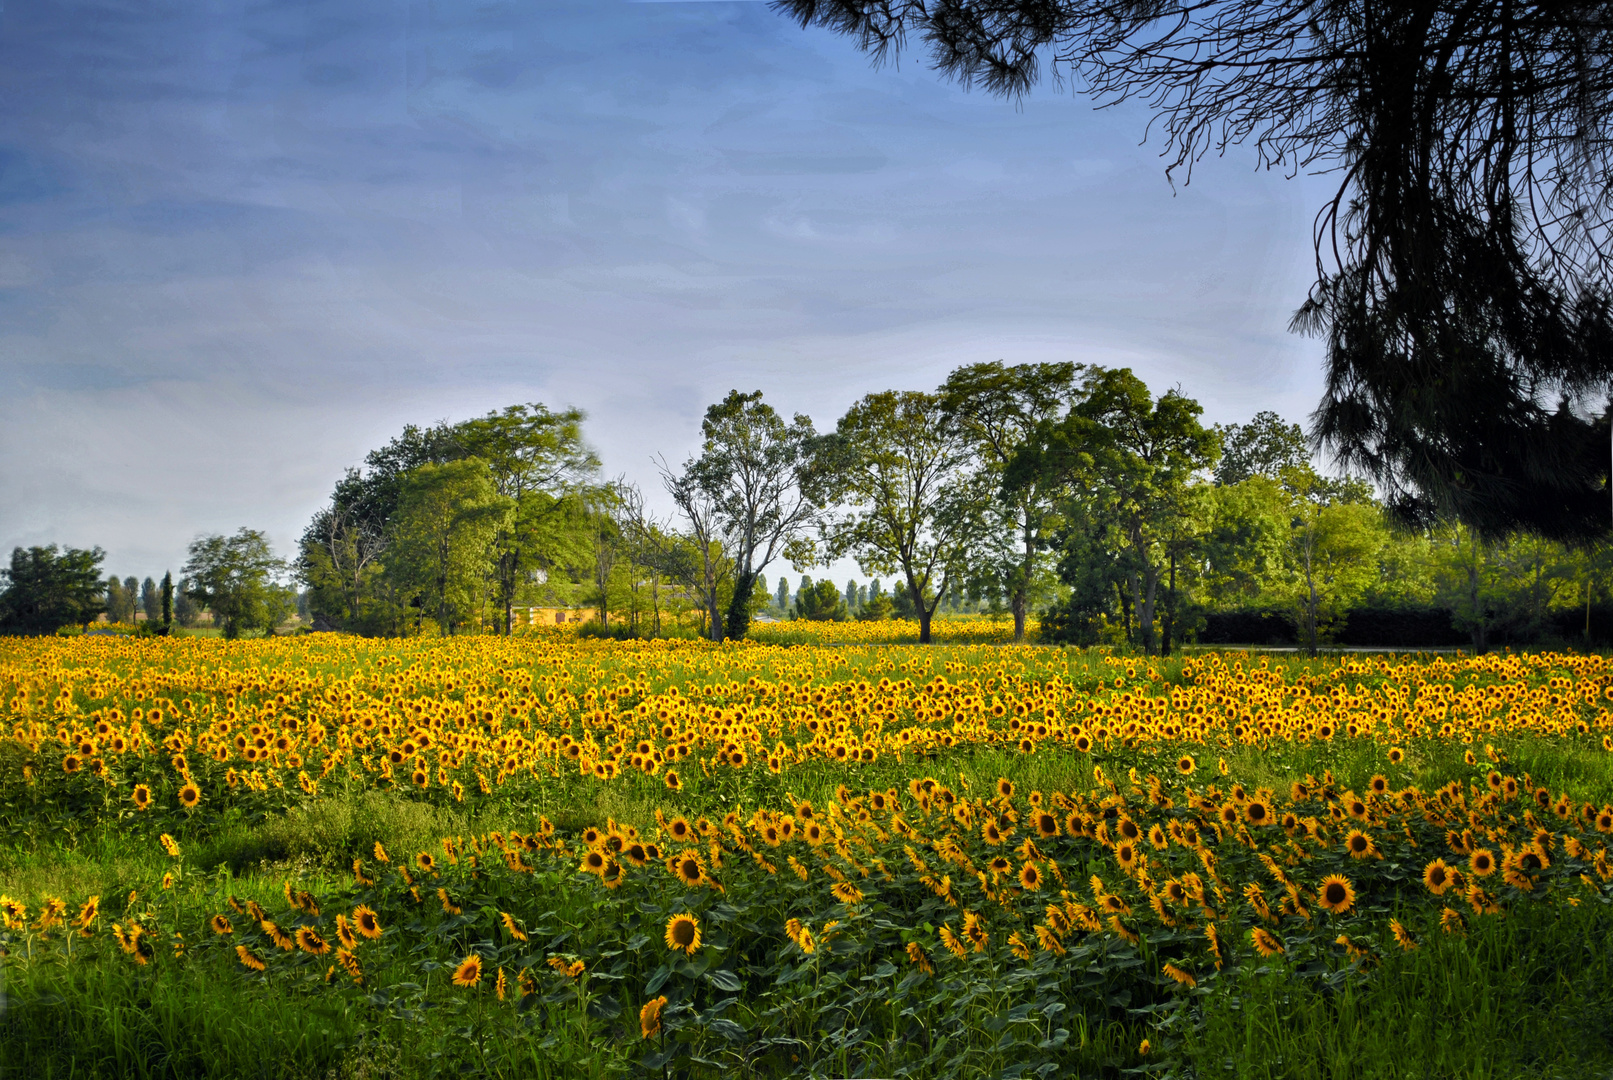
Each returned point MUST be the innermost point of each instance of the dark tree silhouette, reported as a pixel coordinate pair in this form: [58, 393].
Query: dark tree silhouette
[1463, 261]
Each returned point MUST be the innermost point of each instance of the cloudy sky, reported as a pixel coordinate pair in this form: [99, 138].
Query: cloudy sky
[243, 243]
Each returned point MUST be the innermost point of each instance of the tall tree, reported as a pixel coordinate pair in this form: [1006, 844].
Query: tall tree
[902, 470]
[47, 588]
[1266, 446]
[1001, 409]
[1129, 458]
[757, 472]
[167, 601]
[698, 560]
[538, 460]
[237, 578]
[1464, 258]
[447, 517]
[151, 601]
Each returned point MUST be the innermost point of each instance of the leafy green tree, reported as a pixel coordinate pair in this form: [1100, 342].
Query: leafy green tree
[1335, 549]
[446, 519]
[782, 599]
[1265, 446]
[1500, 588]
[1130, 459]
[167, 601]
[1001, 410]
[821, 602]
[119, 604]
[757, 472]
[151, 601]
[911, 500]
[47, 588]
[537, 459]
[236, 577]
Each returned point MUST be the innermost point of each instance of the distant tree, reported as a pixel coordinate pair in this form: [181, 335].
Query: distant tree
[119, 601]
[537, 460]
[851, 595]
[151, 601]
[237, 578]
[167, 601]
[820, 602]
[187, 612]
[757, 471]
[446, 518]
[1265, 446]
[131, 592]
[783, 596]
[876, 610]
[697, 559]
[1129, 458]
[1001, 410]
[47, 588]
[903, 471]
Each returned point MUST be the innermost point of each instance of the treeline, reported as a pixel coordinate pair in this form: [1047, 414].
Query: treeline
[1063, 490]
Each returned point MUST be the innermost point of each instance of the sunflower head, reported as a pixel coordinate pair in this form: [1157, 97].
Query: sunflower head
[469, 971]
[1336, 894]
[683, 933]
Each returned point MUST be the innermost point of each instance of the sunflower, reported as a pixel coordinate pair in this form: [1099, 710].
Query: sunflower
[169, 845]
[469, 971]
[1047, 826]
[380, 852]
[141, 797]
[953, 945]
[1336, 894]
[1361, 846]
[683, 933]
[1257, 812]
[1438, 876]
[847, 893]
[1126, 855]
[309, 941]
[594, 862]
[649, 1017]
[1265, 942]
[1482, 862]
[72, 763]
[1396, 755]
[1185, 765]
[687, 869]
[1183, 977]
[189, 796]
[1402, 938]
[916, 955]
[344, 933]
[425, 862]
[991, 833]
[974, 931]
[1005, 787]
[366, 922]
[221, 925]
[510, 926]
[611, 876]
[250, 959]
[1030, 877]
[1048, 939]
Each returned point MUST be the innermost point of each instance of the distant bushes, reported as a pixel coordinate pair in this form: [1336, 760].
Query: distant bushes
[1406, 627]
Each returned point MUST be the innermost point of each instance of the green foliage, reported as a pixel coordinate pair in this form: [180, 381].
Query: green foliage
[47, 588]
[446, 517]
[235, 576]
[821, 602]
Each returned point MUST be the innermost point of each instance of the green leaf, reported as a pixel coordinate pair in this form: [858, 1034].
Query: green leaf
[724, 980]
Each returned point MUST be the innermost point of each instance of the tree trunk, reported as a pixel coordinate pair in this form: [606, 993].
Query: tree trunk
[1019, 600]
[1145, 608]
[739, 606]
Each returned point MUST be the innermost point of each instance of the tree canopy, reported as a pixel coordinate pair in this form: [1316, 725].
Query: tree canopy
[47, 588]
[1463, 260]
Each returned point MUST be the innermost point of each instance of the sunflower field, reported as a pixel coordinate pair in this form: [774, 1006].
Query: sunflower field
[331, 857]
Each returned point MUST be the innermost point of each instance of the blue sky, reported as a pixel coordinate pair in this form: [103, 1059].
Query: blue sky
[241, 244]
